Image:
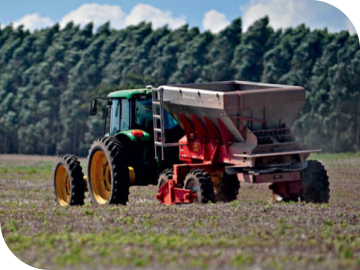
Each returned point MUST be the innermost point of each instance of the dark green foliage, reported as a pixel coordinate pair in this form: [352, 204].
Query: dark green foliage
[221, 53]
[48, 77]
[248, 57]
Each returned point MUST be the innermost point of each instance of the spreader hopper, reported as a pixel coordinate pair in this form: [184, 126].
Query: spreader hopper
[254, 114]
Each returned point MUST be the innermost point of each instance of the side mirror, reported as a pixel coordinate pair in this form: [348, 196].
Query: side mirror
[93, 106]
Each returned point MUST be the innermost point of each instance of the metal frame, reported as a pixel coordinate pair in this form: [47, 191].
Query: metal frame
[217, 119]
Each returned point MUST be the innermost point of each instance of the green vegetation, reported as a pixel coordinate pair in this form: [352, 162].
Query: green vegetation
[335, 157]
[48, 77]
[248, 233]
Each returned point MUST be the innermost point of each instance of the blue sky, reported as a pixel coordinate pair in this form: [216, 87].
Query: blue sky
[211, 15]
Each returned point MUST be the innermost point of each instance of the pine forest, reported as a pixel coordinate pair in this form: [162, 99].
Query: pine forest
[47, 77]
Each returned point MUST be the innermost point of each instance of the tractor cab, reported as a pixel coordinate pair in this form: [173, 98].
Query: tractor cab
[130, 111]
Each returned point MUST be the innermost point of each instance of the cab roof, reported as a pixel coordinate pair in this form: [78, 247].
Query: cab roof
[128, 94]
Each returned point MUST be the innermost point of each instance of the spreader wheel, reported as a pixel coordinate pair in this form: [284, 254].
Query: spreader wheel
[165, 176]
[316, 186]
[199, 182]
[108, 172]
[69, 185]
[312, 188]
[229, 188]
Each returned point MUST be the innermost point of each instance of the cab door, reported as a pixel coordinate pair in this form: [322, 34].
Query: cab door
[120, 115]
[125, 114]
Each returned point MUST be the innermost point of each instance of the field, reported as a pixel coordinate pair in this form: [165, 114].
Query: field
[250, 233]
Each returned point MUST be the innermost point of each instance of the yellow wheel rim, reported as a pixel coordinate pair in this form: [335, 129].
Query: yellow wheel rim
[132, 175]
[100, 177]
[62, 186]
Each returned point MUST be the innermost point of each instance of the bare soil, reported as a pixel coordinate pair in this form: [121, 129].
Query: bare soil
[250, 233]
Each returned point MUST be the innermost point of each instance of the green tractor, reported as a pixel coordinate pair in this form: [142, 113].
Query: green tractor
[124, 156]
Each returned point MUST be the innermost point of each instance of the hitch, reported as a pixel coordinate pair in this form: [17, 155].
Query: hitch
[169, 194]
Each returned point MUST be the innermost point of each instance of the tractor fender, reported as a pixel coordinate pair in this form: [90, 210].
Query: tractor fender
[135, 135]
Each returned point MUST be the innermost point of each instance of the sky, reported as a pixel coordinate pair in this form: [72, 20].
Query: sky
[213, 15]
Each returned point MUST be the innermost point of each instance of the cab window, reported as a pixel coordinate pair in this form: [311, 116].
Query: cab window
[120, 115]
[115, 117]
[144, 117]
[125, 114]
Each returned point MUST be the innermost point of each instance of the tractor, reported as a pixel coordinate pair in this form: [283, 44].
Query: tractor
[124, 156]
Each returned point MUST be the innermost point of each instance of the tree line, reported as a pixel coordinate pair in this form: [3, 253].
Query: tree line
[48, 77]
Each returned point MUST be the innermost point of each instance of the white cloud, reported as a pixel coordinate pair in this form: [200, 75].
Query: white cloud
[34, 21]
[98, 14]
[215, 21]
[285, 13]
[157, 17]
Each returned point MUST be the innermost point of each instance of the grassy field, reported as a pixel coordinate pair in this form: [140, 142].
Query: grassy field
[250, 233]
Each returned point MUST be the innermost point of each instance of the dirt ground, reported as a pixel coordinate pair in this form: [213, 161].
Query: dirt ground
[250, 233]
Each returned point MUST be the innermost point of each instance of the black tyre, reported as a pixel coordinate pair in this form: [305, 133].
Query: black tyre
[108, 172]
[316, 186]
[229, 188]
[199, 182]
[165, 176]
[69, 184]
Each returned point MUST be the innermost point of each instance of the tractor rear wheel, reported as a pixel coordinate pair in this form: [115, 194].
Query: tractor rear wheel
[165, 176]
[199, 182]
[108, 172]
[229, 188]
[69, 185]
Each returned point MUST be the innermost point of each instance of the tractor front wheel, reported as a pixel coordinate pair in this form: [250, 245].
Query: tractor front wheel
[69, 185]
[108, 172]
[199, 182]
